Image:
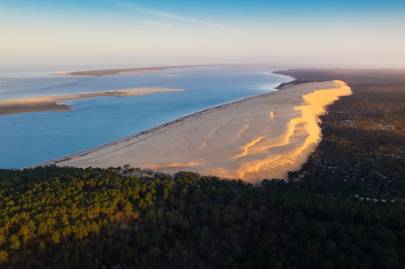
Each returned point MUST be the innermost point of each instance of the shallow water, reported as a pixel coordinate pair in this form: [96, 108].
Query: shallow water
[31, 138]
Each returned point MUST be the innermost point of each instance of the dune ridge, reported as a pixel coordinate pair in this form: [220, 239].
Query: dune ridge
[259, 137]
[56, 102]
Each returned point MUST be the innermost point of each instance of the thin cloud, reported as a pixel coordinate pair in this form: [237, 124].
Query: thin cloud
[171, 16]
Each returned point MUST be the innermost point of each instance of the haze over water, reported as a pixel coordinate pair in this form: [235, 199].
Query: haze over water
[31, 138]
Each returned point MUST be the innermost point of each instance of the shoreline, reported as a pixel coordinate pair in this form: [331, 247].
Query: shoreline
[253, 151]
[56, 103]
[154, 128]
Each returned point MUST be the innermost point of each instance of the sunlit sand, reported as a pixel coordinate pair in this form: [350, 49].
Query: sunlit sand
[260, 137]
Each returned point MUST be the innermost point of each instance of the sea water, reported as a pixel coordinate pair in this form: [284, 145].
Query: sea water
[31, 138]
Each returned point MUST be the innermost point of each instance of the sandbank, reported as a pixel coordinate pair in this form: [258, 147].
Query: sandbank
[56, 103]
[108, 72]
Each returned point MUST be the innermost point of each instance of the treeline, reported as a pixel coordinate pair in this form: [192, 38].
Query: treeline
[93, 218]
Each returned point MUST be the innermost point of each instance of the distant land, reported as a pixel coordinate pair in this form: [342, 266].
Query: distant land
[106, 72]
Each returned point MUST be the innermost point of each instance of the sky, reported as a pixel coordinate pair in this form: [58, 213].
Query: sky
[125, 33]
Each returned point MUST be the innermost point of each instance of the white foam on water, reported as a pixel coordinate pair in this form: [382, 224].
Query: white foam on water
[268, 87]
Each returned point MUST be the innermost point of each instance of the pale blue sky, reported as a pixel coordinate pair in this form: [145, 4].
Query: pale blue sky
[131, 33]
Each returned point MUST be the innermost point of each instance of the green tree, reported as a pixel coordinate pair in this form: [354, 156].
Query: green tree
[24, 232]
[3, 256]
[14, 242]
[56, 237]
[3, 239]
[41, 247]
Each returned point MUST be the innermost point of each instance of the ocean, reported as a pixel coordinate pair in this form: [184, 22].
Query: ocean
[27, 139]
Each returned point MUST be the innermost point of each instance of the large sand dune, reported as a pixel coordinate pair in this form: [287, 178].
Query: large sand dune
[260, 137]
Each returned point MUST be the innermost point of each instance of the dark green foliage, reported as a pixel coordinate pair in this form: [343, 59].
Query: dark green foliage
[94, 218]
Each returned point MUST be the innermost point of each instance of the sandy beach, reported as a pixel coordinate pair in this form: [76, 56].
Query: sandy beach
[259, 137]
[56, 103]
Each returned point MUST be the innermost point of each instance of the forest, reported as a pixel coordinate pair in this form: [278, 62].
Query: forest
[344, 209]
[93, 218]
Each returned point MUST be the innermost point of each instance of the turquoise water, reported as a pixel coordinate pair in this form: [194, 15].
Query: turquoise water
[30, 138]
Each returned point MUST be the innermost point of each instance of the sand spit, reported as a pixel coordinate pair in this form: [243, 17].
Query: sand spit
[260, 137]
[56, 103]
[109, 72]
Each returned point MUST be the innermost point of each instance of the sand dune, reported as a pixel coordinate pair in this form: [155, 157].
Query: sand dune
[56, 103]
[260, 137]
